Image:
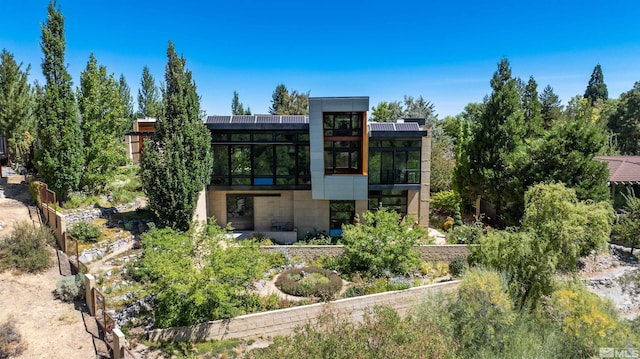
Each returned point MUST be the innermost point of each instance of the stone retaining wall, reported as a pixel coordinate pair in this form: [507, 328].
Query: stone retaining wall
[284, 321]
[431, 253]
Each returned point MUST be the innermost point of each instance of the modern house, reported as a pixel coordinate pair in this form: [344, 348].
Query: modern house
[286, 176]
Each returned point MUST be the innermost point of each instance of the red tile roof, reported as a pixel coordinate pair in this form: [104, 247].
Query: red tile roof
[623, 169]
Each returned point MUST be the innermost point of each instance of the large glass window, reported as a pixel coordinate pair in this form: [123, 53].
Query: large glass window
[343, 132]
[395, 200]
[261, 158]
[394, 161]
[340, 212]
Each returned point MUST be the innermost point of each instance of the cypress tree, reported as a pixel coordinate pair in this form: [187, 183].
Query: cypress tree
[59, 158]
[176, 163]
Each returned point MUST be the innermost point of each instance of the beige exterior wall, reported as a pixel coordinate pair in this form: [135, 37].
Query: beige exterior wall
[309, 215]
[425, 181]
[295, 207]
[413, 202]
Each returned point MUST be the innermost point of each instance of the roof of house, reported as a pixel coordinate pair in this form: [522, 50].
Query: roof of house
[623, 169]
[301, 122]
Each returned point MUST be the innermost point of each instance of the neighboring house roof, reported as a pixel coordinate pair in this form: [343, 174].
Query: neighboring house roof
[622, 169]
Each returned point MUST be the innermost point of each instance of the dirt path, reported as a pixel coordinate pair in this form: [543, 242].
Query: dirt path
[49, 327]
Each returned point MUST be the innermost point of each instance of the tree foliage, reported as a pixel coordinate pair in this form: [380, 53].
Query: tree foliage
[625, 122]
[381, 245]
[105, 120]
[17, 121]
[550, 107]
[627, 227]
[387, 111]
[149, 103]
[59, 158]
[194, 276]
[237, 108]
[556, 230]
[177, 161]
[284, 102]
[597, 89]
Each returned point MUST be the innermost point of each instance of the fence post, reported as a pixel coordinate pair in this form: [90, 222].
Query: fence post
[90, 286]
[118, 344]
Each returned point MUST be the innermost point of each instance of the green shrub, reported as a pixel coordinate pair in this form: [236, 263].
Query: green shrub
[382, 245]
[465, 234]
[445, 202]
[458, 266]
[34, 187]
[74, 200]
[309, 282]
[123, 195]
[70, 288]
[10, 341]
[26, 248]
[85, 231]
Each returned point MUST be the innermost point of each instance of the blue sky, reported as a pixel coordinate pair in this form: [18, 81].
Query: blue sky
[444, 51]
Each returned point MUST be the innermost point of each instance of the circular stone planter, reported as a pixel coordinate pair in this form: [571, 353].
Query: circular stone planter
[309, 282]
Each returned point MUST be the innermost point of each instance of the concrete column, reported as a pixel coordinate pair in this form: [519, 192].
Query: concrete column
[425, 180]
[118, 344]
[89, 286]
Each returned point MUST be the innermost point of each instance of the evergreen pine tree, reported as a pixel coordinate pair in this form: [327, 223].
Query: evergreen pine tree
[494, 138]
[597, 89]
[551, 108]
[278, 99]
[59, 158]
[532, 108]
[17, 122]
[176, 163]
[236, 106]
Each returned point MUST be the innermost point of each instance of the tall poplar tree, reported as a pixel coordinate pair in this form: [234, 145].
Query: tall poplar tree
[59, 158]
[597, 89]
[17, 122]
[105, 119]
[149, 103]
[125, 95]
[177, 162]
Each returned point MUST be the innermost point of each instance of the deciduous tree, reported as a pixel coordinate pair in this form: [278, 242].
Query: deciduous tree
[105, 120]
[59, 158]
[625, 122]
[177, 161]
[17, 121]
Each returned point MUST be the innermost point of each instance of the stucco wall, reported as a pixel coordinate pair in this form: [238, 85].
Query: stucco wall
[284, 321]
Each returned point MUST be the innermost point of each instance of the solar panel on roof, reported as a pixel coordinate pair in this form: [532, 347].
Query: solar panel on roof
[381, 126]
[295, 119]
[242, 119]
[218, 119]
[267, 119]
[407, 127]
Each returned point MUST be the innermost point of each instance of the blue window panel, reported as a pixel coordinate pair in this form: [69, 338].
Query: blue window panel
[263, 181]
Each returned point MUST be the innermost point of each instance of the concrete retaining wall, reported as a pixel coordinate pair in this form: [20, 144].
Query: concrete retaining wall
[432, 253]
[284, 321]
